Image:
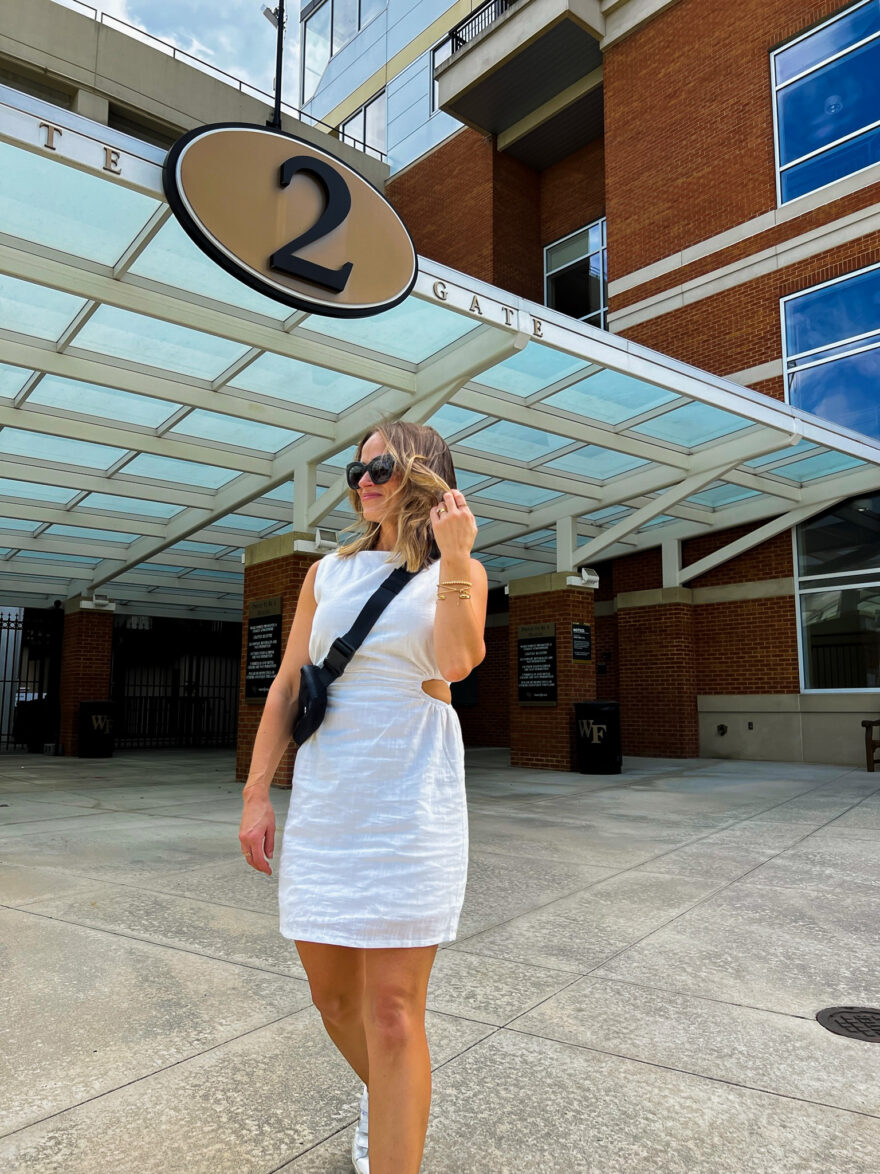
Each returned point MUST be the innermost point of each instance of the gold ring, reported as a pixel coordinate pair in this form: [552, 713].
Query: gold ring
[441, 509]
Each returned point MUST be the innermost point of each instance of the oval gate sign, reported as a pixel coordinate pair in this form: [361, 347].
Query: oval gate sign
[289, 220]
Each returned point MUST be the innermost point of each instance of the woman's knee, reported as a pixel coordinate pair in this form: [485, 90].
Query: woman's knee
[336, 1004]
[336, 981]
[393, 1017]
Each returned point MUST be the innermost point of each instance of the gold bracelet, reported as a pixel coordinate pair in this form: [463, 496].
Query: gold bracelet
[461, 585]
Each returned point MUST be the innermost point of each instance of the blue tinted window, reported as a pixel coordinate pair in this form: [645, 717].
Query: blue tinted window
[834, 382]
[826, 316]
[844, 391]
[832, 164]
[847, 30]
[834, 101]
[827, 98]
[316, 50]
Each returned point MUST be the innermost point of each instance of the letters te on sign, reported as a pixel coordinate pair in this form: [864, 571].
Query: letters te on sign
[290, 220]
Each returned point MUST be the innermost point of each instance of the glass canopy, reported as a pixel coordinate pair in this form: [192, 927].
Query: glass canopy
[157, 417]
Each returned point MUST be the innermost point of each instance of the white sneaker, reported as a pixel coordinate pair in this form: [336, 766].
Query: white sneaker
[360, 1158]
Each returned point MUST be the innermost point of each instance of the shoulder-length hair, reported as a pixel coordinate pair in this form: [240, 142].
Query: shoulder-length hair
[424, 462]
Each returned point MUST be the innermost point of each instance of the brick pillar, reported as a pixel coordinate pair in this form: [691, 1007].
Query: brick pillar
[487, 722]
[543, 736]
[86, 659]
[271, 569]
[658, 673]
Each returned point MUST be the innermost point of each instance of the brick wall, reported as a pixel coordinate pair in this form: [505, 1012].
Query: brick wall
[689, 123]
[489, 215]
[573, 192]
[747, 646]
[658, 680]
[607, 658]
[518, 263]
[543, 737]
[770, 560]
[488, 722]
[86, 660]
[280, 576]
[637, 572]
[739, 327]
[447, 201]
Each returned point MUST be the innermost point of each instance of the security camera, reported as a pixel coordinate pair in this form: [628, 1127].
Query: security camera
[271, 14]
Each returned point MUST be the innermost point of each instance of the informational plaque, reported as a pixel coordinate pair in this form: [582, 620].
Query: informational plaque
[263, 647]
[581, 643]
[536, 664]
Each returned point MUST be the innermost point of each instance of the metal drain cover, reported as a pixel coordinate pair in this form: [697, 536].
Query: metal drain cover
[854, 1022]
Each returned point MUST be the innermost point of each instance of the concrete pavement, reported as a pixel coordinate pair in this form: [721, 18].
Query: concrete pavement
[633, 989]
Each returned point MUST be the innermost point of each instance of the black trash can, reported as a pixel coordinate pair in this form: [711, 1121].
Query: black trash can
[597, 737]
[95, 729]
[31, 724]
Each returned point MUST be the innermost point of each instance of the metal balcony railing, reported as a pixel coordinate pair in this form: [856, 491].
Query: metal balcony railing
[139, 34]
[479, 20]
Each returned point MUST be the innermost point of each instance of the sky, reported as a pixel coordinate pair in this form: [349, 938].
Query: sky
[233, 35]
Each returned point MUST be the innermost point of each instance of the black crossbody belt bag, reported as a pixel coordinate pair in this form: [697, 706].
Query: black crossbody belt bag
[314, 679]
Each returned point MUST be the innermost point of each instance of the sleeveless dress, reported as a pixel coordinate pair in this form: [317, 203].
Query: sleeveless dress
[375, 845]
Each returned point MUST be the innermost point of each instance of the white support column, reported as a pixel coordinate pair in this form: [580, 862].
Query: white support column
[671, 552]
[304, 494]
[566, 542]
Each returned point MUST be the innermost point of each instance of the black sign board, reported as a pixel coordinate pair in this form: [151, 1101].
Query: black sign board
[263, 647]
[536, 664]
[581, 643]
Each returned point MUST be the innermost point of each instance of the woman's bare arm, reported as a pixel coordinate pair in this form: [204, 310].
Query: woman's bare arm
[257, 831]
[459, 623]
[273, 734]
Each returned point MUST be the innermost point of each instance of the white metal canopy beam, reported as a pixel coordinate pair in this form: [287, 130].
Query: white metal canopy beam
[91, 430]
[92, 368]
[437, 381]
[481, 348]
[634, 521]
[170, 304]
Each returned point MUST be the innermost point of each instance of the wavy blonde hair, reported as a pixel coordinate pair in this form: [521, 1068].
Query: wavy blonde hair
[422, 458]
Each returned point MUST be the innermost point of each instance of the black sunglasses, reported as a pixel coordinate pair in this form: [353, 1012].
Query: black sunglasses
[380, 469]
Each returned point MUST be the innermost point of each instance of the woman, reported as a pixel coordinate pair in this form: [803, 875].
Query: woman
[374, 859]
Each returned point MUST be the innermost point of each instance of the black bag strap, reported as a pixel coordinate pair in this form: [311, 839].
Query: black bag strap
[344, 647]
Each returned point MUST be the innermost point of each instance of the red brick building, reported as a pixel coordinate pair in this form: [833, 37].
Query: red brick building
[685, 168]
[646, 319]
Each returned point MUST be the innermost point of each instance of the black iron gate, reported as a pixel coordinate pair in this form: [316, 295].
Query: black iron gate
[30, 667]
[175, 682]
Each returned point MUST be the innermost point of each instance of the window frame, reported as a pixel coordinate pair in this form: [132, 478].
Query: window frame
[602, 224]
[776, 88]
[800, 591]
[787, 358]
[435, 105]
[303, 46]
[305, 16]
[361, 143]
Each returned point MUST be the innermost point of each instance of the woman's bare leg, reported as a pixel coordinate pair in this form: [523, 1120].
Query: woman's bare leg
[336, 981]
[395, 992]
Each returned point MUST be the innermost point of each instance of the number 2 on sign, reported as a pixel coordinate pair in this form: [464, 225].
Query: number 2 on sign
[336, 207]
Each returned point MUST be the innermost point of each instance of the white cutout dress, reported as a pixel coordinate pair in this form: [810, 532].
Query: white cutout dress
[375, 846]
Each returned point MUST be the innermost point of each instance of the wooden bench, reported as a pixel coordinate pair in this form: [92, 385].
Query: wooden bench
[872, 744]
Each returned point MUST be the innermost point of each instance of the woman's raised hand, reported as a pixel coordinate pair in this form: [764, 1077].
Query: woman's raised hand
[454, 525]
